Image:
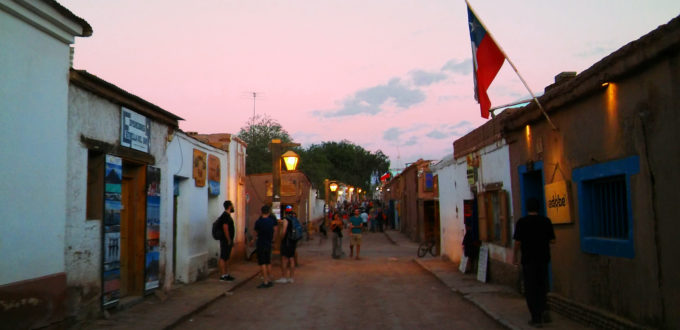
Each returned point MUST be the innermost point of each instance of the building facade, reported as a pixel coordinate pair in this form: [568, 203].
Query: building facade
[34, 66]
[117, 228]
[608, 177]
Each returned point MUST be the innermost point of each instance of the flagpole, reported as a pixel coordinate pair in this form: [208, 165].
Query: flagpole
[513, 66]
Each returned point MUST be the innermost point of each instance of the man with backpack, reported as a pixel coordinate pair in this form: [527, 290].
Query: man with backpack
[226, 223]
[292, 232]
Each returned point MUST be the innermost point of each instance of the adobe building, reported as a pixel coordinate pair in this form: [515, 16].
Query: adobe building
[296, 190]
[608, 176]
[410, 197]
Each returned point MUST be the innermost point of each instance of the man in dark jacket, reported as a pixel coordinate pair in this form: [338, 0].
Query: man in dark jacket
[533, 235]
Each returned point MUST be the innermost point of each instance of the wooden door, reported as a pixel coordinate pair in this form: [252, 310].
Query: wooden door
[125, 235]
[132, 230]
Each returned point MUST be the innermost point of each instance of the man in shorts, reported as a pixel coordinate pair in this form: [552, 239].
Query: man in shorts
[355, 225]
[288, 247]
[227, 240]
[265, 227]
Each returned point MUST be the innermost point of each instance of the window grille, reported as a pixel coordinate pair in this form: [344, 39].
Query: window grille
[608, 207]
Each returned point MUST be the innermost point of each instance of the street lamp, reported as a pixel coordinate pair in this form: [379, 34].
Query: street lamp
[333, 187]
[275, 146]
[290, 158]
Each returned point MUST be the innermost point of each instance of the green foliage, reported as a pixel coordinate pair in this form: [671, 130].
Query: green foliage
[257, 134]
[341, 161]
[344, 162]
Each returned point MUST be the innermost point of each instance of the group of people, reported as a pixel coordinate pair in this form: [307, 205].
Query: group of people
[266, 228]
[364, 216]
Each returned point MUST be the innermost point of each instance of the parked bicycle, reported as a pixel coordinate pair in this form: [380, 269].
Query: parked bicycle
[427, 246]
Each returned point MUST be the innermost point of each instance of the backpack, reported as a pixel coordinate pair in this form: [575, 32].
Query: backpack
[217, 231]
[295, 230]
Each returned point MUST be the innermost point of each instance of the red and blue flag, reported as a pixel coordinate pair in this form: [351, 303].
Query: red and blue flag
[487, 59]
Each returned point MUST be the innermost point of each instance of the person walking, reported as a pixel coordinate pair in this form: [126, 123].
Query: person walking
[355, 225]
[227, 240]
[364, 218]
[336, 229]
[288, 246]
[533, 235]
[265, 227]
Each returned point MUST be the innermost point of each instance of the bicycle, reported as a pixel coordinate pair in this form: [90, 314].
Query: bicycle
[427, 246]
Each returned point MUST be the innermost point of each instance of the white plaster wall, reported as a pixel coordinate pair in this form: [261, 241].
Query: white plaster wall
[495, 167]
[97, 118]
[33, 116]
[450, 210]
[196, 210]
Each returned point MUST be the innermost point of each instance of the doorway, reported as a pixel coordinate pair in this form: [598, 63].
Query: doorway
[132, 230]
[531, 185]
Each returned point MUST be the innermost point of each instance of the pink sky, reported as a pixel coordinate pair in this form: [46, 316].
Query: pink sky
[384, 74]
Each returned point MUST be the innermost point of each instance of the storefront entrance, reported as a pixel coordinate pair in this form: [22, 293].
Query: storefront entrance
[132, 230]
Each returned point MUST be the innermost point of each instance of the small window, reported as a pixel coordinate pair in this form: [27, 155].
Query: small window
[493, 217]
[605, 212]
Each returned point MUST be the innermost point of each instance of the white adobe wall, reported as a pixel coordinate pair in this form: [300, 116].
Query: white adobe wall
[33, 114]
[452, 228]
[97, 118]
[495, 167]
[196, 210]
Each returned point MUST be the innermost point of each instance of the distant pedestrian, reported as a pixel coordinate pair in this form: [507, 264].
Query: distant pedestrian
[336, 229]
[355, 225]
[288, 246]
[227, 241]
[265, 227]
[380, 219]
[364, 218]
[533, 235]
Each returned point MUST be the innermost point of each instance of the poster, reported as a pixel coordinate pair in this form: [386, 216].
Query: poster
[111, 233]
[153, 215]
[199, 165]
[213, 175]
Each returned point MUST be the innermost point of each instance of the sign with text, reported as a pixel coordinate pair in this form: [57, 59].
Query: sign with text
[558, 202]
[135, 130]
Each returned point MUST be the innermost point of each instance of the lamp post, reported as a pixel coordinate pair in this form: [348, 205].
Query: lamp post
[291, 160]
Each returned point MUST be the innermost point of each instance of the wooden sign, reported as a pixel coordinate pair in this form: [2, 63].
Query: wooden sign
[483, 262]
[558, 202]
[199, 168]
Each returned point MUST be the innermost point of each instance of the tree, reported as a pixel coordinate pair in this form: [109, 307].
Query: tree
[342, 161]
[257, 134]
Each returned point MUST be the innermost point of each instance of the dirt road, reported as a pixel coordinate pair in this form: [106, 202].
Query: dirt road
[383, 290]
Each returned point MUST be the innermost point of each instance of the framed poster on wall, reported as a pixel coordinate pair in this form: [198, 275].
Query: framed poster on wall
[111, 231]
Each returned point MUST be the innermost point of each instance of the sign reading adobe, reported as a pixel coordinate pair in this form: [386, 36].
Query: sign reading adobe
[135, 130]
[558, 202]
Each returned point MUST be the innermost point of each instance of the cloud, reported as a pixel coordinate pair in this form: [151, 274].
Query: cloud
[436, 134]
[424, 78]
[463, 67]
[411, 141]
[370, 100]
[392, 134]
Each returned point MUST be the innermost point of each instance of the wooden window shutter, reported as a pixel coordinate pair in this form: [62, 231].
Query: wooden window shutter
[503, 215]
[482, 218]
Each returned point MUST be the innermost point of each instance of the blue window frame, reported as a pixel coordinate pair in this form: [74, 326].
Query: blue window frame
[605, 211]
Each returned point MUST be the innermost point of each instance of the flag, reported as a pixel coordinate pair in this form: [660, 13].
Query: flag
[487, 60]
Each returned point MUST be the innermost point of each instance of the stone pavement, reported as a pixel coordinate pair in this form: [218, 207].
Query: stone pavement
[501, 303]
[165, 310]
